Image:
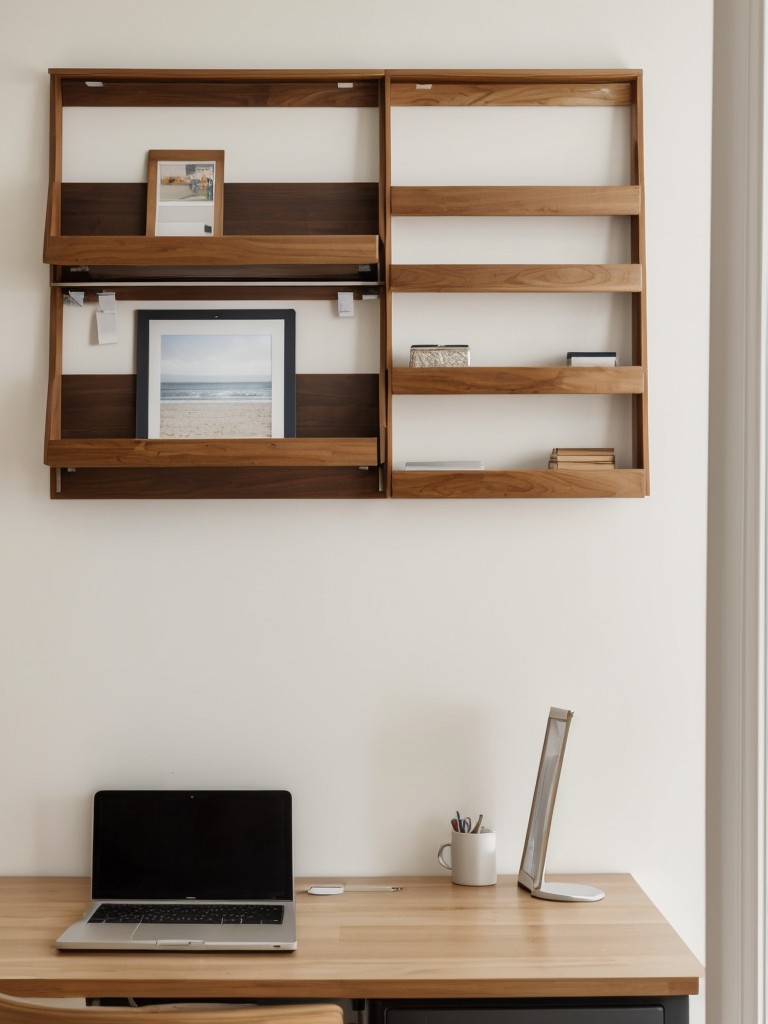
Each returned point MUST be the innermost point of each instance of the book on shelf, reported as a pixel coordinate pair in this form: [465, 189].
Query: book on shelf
[592, 359]
[451, 464]
[582, 458]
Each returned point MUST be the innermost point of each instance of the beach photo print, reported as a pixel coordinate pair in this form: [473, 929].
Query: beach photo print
[207, 374]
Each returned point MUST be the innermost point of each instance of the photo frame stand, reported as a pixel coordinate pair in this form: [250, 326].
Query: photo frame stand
[531, 875]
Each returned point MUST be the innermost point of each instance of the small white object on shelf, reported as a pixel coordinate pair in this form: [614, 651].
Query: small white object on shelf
[449, 465]
[592, 359]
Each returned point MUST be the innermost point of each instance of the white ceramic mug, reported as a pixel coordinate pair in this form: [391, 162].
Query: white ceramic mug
[472, 857]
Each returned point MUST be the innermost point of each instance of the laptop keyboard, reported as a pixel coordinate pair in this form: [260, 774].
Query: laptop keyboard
[186, 913]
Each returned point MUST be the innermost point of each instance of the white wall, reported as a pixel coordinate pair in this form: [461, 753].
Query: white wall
[383, 660]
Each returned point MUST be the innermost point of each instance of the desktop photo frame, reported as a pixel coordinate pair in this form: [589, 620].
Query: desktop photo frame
[531, 875]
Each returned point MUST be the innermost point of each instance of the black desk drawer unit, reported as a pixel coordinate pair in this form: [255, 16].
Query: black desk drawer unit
[639, 1010]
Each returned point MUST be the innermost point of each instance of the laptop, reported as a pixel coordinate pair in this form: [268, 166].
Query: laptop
[189, 870]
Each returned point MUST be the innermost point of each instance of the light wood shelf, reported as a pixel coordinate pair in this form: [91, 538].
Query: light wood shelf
[519, 483]
[226, 250]
[480, 89]
[515, 200]
[261, 451]
[516, 277]
[518, 380]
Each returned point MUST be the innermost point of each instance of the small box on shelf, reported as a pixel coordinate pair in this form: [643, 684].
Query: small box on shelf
[439, 355]
[592, 359]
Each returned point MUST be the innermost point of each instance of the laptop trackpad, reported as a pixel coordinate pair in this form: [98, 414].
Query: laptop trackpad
[178, 934]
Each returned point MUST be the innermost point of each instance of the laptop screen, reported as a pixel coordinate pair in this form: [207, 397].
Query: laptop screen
[192, 844]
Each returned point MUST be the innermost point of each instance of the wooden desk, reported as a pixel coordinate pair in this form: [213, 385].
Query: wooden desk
[433, 940]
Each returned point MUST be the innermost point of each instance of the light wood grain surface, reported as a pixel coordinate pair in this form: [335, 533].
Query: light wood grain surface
[210, 251]
[227, 452]
[519, 483]
[430, 940]
[518, 380]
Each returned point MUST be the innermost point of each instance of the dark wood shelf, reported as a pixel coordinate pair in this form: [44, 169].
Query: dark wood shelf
[218, 482]
[223, 88]
[250, 208]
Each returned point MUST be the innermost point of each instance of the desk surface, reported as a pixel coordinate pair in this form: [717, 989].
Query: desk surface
[431, 940]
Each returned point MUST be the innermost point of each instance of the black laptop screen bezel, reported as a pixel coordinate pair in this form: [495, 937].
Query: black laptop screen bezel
[192, 845]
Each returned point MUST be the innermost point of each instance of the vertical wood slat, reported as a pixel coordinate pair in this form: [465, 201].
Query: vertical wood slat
[639, 300]
[386, 324]
[53, 403]
[53, 209]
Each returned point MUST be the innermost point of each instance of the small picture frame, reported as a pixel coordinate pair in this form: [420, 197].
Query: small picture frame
[185, 192]
[215, 373]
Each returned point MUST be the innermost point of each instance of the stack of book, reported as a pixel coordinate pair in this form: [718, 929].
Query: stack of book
[582, 458]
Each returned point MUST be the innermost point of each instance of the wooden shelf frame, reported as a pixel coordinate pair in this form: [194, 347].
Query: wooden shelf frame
[315, 235]
[305, 258]
[528, 88]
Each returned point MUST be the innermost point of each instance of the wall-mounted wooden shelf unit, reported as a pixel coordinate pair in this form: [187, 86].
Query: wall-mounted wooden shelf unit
[294, 240]
[438, 199]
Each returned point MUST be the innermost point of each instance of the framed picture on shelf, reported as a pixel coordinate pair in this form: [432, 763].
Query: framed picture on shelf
[185, 192]
[215, 373]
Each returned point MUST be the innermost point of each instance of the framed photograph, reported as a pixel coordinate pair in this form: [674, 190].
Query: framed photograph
[216, 373]
[531, 875]
[185, 193]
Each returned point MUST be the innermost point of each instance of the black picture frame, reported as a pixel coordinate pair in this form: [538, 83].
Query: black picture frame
[177, 349]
